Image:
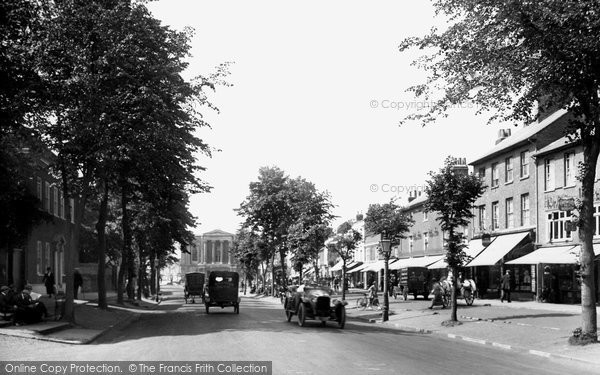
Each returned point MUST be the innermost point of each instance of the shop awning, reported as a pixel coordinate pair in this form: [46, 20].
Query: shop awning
[360, 268]
[472, 250]
[499, 247]
[550, 255]
[350, 265]
[338, 266]
[416, 262]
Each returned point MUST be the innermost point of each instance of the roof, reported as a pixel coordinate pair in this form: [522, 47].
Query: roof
[416, 202]
[559, 144]
[520, 136]
[218, 232]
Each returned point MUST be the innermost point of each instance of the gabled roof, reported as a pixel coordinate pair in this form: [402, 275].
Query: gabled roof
[218, 232]
[520, 137]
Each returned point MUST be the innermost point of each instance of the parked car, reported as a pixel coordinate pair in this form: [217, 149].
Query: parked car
[314, 302]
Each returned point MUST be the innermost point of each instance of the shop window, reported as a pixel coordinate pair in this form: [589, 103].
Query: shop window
[559, 226]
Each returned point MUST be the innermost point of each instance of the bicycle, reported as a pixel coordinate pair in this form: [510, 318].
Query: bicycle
[363, 302]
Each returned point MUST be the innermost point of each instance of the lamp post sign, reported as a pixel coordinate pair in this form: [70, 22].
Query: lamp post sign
[385, 251]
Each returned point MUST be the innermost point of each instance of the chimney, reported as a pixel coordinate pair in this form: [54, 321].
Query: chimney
[502, 135]
[411, 196]
[459, 166]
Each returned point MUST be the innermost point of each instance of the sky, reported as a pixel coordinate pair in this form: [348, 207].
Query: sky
[318, 90]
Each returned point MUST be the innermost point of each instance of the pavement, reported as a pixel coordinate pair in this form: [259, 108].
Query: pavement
[538, 329]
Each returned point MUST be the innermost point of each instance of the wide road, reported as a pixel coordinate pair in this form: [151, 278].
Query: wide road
[176, 331]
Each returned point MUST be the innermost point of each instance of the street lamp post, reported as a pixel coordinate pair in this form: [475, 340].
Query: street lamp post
[385, 251]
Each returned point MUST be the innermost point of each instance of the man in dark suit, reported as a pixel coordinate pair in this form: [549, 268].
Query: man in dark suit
[28, 311]
[506, 285]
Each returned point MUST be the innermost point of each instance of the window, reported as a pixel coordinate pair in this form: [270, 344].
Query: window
[524, 172]
[410, 244]
[61, 202]
[194, 253]
[557, 226]
[38, 260]
[47, 196]
[495, 216]
[597, 221]
[481, 218]
[72, 209]
[569, 169]
[39, 192]
[525, 210]
[508, 169]
[495, 178]
[47, 257]
[548, 174]
[55, 203]
[510, 217]
[425, 241]
[481, 172]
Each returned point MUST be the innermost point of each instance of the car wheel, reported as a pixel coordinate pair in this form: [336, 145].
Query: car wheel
[301, 315]
[342, 317]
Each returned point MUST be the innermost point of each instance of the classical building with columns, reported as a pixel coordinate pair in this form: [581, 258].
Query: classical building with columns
[210, 252]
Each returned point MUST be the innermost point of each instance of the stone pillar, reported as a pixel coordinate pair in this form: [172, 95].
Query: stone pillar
[226, 257]
[218, 251]
[209, 252]
[17, 266]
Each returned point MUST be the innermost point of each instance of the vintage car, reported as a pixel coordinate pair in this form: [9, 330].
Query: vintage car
[314, 302]
[222, 290]
[194, 287]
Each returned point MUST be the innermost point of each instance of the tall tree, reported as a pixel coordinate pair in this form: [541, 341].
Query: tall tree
[506, 56]
[450, 195]
[343, 244]
[388, 221]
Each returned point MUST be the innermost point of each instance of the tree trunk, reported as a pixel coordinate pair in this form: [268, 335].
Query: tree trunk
[152, 274]
[586, 232]
[343, 281]
[101, 249]
[453, 297]
[73, 235]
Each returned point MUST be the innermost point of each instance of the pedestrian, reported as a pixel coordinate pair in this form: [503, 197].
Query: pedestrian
[505, 284]
[77, 282]
[372, 296]
[438, 294]
[49, 282]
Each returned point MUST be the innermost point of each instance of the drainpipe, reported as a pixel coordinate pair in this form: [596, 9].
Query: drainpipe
[537, 220]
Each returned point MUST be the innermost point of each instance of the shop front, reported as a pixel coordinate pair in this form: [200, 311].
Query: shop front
[492, 262]
[555, 280]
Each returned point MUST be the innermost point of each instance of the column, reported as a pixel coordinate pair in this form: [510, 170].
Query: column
[209, 252]
[226, 257]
